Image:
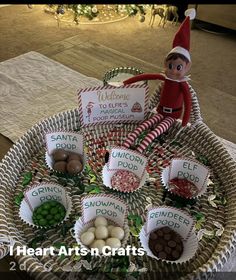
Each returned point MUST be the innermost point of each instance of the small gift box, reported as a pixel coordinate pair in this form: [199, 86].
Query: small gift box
[55, 201]
[168, 235]
[103, 223]
[185, 177]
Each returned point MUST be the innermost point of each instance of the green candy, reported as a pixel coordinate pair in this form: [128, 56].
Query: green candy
[42, 222]
[49, 214]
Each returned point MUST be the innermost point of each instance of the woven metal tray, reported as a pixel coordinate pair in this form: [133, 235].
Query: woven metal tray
[28, 155]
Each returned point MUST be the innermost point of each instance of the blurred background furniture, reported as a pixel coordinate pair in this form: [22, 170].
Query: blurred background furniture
[220, 15]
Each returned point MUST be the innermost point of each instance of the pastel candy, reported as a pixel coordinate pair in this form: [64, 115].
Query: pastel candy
[87, 238]
[117, 232]
[110, 227]
[101, 232]
[100, 221]
[92, 229]
[113, 242]
[99, 244]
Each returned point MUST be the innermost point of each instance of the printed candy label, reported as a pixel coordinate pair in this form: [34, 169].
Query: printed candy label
[104, 205]
[176, 219]
[113, 104]
[43, 192]
[190, 170]
[125, 159]
[69, 141]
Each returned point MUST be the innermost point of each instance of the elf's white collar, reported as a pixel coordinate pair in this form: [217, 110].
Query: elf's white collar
[185, 78]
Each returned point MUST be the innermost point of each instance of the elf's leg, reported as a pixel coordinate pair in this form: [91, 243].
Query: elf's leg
[143, 126]
[161, 128]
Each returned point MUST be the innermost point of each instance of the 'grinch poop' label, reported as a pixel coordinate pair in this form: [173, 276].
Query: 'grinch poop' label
[43, 192]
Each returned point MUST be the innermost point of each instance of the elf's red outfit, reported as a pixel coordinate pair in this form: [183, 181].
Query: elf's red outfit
[175, 96]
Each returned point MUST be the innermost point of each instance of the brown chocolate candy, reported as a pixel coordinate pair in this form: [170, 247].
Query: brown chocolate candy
[65, 161]
[166, 244]
[74, 166]
[74, 156]
[59, 155]
[60, 166]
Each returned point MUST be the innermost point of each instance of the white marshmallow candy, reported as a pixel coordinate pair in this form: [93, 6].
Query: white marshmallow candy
[101, 232]
[99, 244]
[87, 238]
[100, 221]
[91, 229]
[117, 232]
[110, 227]
[113, 242]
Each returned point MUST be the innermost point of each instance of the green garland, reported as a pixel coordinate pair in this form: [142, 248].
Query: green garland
[91, 11]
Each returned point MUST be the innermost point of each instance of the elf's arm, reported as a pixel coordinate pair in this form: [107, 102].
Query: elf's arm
[187, 103]
[144, 77]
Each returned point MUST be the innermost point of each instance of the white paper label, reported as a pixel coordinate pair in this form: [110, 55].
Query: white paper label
[125, 159]
[189, 170]
[111, 104]
[104, 205]
[176, 219]
[69, 141]
[41, 193]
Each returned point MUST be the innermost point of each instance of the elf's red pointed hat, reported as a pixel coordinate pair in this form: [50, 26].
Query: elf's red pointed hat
[181, 42]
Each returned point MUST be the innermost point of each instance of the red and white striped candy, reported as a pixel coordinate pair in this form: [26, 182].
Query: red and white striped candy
[142, 127]
[161, 128]
[125, 181]
[182, 187]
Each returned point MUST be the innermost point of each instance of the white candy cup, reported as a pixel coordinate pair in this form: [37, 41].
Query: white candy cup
[80, 228]
[107, 175]
[49, 163]
[165, 179]
[190, 247]
[26, 213]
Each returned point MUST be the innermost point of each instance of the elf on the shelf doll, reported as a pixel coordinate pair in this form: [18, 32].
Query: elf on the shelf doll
[175, 97]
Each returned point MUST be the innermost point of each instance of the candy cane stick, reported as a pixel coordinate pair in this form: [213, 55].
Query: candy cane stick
[143, 126]
[161, 128]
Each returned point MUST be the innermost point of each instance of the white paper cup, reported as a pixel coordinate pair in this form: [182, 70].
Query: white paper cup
[165, 179]
[35, 195]
[80, 228]
[190, 247]
[49, 163]
[107, 175]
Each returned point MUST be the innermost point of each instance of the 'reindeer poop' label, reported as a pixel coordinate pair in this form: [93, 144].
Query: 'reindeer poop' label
[66, 140]
[121, 158]
[104, 205]
[113, 104]
[190, 170]
[176, 219]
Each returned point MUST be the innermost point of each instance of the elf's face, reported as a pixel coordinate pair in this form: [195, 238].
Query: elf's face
[176, 68]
